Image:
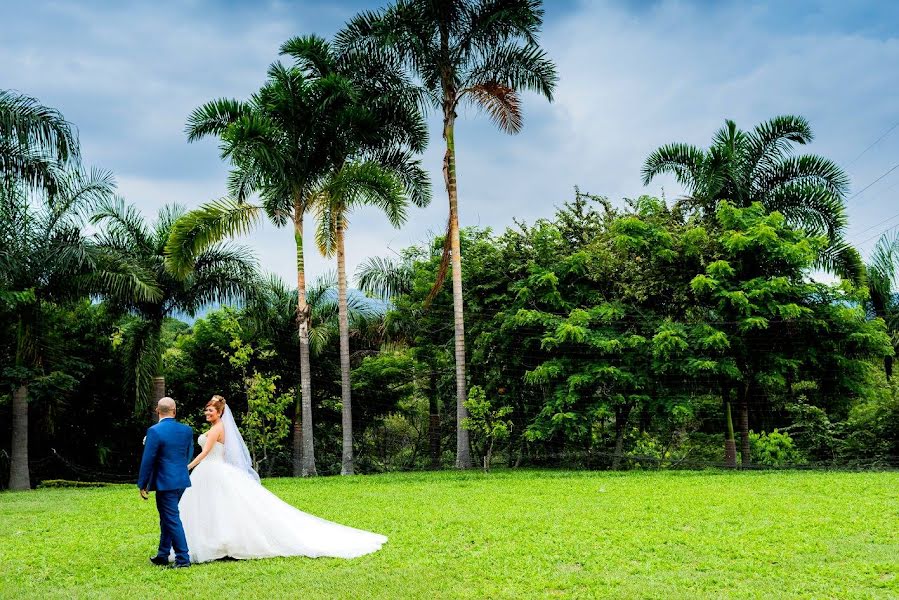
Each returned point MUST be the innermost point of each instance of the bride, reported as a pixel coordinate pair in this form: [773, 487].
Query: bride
[227, 512]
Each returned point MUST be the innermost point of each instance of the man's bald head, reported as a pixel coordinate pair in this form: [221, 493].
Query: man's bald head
[166, 407]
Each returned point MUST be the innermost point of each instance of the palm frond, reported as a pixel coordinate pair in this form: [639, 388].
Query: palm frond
[213, 118]
[122, 220]
[807, 169]
[809, 206]
[384, 278]
[771, 140]
[518, 68]
[38, 128]
[501, 103]
[843, 259]
[312, 54]
[205, 226]
[683, 161]
[883, 270]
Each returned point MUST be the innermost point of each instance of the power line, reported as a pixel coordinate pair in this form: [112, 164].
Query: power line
[858, 193]
[874, 143]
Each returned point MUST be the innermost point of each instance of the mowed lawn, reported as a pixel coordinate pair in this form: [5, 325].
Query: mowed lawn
[527, 534]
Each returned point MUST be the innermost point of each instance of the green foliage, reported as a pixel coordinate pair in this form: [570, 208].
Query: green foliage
[872, 426]
[487, 421]
[265, 425]
[775, 449]
[66, 483]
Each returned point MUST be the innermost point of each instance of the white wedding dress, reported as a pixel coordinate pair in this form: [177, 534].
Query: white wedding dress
[227, 513]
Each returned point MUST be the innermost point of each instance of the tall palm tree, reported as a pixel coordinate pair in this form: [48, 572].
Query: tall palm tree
[368, 184]
[883, 289]
[221, 273]
[482, 52]
[377, 169]
[273, 311]
[47, 258]
[757, 166]
[282, 143]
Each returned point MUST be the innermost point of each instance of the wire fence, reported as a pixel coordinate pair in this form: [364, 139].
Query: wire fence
[56, 466]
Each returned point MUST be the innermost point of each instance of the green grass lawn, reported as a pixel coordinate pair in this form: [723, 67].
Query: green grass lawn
[504, 535]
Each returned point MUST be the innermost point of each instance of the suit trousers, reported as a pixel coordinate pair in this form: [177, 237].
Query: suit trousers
[171, 532]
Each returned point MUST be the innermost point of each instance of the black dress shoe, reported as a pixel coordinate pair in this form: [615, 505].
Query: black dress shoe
[160, 561]
[179, 565]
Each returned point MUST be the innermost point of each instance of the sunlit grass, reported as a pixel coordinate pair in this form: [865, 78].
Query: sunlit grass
[504, 535]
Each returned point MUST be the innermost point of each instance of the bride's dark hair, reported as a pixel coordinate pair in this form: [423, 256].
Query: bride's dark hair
[218, 403]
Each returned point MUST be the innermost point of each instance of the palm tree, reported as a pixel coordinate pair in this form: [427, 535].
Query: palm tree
[221, 273]
[46, 258]
[377, 170]
[282, 142]
[757, 166]
[482, 52]
[273, 312]
[883, 290]
[36, 143]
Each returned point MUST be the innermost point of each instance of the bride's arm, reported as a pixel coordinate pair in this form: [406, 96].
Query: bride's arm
[212, 437]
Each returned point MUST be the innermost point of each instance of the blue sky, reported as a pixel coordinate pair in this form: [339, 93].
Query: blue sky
[634, 75]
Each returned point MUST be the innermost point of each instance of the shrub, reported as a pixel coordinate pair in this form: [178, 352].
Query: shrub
[775, 449]
[66, 483]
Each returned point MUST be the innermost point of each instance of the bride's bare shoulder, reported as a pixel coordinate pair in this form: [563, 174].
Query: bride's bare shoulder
[217, 432]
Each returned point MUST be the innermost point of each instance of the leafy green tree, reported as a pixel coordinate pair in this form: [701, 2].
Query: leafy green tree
[487, 421]
[221, 273]
[482, 52]
[763, 319]
[757, 166]
[377, 170]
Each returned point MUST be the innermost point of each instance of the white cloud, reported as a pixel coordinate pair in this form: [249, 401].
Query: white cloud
[631, 80]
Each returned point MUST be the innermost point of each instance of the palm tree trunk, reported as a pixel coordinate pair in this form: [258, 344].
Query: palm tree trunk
[158, 393]
[346, 465]
[463, 450]
[434, 419]
[308, 459]
[296, 445]
[19, 478]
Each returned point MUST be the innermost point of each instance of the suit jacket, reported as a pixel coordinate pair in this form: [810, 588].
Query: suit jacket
[167, 450]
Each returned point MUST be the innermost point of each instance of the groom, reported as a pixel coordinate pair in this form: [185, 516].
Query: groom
[163, 468]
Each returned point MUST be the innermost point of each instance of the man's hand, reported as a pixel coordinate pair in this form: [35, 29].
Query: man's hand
[144, 494]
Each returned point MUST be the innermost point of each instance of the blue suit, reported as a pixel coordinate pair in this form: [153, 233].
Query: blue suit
[163, 468]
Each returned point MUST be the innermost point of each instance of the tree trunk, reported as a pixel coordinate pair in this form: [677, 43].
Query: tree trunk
[19, 478]
[621, 415]
[463, 449]
[744, 428]
[434, 420]
[346, 465]
[888, 366]
[308, 459]
[730, 445]
[296, 456]
[158, 394]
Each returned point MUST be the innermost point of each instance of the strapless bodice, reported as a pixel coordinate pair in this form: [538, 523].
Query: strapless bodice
[217, 452]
